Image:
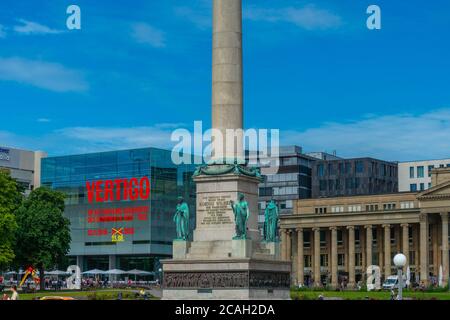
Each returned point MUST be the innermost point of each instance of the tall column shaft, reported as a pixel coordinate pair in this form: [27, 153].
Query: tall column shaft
[227, 84]
[317, 282]
[387, 250]
[424, 249]
[351, 256]
[444, 246]
[300, 257]
[334, 264]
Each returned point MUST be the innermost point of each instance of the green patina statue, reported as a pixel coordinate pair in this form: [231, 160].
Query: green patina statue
[271, 215]
[241, 214]
[181, 219]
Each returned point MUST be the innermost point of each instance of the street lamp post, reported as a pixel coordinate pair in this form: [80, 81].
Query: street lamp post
[400, 262]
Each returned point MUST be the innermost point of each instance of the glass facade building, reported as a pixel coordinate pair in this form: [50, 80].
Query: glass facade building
[115, 221]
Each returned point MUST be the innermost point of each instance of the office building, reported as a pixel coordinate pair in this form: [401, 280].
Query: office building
[24, 166]
[416, 175]
[120, 205]
[357, 176]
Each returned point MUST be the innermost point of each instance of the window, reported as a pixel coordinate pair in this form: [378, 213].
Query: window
[323, 185]
[422, 186]
[412, 258]
[358, 259]
[320, 170]
[359, 167]
[420, 172]
[357, 236]
[321, 210]
[341, 259]
[324, 260]
[306, 239]
[389, 206]
[330, 169]
[348, 168]
[372, 207]
[340, 240]
[337, 209]
[407, 205]
[354, 208]
[413, 187]
[323, 239]
[265, 192]
[429, 185]
[289, 204]
[429, 170]
[411, 172]
[307, 261]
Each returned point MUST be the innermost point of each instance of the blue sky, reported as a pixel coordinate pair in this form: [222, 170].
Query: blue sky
[137, 70]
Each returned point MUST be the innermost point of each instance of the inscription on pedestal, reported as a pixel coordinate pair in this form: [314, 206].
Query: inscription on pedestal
[215, 209]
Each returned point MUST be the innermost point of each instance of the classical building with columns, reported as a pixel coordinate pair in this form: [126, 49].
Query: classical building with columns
[334, 240]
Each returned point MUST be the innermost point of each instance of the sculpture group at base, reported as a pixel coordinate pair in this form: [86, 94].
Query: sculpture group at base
[241, 215]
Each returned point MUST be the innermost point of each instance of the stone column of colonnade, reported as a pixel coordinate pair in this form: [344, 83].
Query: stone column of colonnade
[387, 250]
[424, 248]
[405, 242]
[300, 257]
[444, 247]
[317, 282]
[283, 244]
[368, 245]
[351, 256]
[334, 262]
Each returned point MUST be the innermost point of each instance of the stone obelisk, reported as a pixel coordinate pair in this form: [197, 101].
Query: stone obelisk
[221, 262]
[227, 84]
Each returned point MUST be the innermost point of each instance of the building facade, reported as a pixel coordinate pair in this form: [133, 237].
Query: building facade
[416, 175]
[328, 247]
[120, 205]
[358, 176]
[24, 166]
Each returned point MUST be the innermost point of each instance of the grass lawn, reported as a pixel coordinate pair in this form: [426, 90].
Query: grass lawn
[100, 293]
[361, 295]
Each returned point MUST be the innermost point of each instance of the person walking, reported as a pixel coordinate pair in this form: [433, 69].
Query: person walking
[15, 295]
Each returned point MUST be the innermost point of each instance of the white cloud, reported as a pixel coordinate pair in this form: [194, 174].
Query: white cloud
[146, 34]
[2, 32]
[308, 17]
[43, 120]
[74, 140]
[395, 137]
[30, 27]
[200, 18]
[41, 74]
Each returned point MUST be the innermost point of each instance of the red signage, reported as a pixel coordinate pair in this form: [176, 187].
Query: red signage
[118, 189]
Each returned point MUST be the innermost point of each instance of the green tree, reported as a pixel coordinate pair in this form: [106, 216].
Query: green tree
[43, 236]
[10, 199]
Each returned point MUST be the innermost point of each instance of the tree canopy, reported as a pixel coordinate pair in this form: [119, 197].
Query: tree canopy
[43, 234]
[10, 200]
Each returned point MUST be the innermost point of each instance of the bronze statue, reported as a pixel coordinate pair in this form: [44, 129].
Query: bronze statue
[241, 214]
[271, 215]
[181, 219]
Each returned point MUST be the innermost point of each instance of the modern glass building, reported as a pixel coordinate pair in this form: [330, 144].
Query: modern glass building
[120, 205]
